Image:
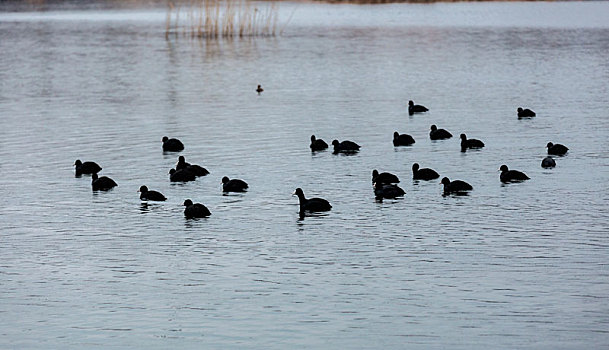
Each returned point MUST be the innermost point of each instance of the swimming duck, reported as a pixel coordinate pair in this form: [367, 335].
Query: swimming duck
[148, 195]
[402, 140]
[172, 145]
[511, 175]
[86, 167]
[525, 113]
[439, 134]
[317, 144]
[556, 149]
[183, 175]
[384, 178]
[193, 168]
[233, 185]
[412, 108]
[103, 183]
[311, 204]
[548, 162]
[456, 186]
[470, 143]
[196, 210]
[387, 191]
[424, 173]
[345, 146]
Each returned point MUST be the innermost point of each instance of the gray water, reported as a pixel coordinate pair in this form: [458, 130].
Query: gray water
[509, 266]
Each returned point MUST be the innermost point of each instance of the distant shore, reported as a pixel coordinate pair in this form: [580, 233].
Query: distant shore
[59, 5]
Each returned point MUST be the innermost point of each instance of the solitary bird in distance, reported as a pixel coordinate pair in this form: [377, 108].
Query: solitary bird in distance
[525, 113]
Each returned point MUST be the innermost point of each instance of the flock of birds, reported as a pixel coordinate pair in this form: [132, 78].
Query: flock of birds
[384, 184]
[183, 172]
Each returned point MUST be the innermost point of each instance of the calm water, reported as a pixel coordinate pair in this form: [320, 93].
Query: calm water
[509, 266]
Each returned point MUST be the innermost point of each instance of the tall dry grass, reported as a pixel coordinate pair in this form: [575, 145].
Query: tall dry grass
[221, 18]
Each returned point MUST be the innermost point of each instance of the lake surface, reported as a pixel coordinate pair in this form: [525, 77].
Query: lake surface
[509, 266]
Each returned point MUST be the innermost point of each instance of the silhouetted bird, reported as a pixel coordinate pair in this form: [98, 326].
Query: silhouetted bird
[384, 178]
[233, 185]
[525, 113]
[193, 168]
[345, 146]
[511, 175]
[439, 134]
[317, 144]
[424, 173]
[402, 140]
[182, 164]
[148, 195]
[86, 167]
[103, 183]
[470, 143]
[311, 204]
[172, 145]
[412, 108]
[387, 191]
[548, 162]
[259, 89]
[456, 186]
[196, 210]
[183, 175]
[557, 149]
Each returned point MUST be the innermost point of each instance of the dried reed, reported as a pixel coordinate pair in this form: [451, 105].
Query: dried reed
[222, 18]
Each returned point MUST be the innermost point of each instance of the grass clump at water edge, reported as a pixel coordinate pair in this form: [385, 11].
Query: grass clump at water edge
[221, 18]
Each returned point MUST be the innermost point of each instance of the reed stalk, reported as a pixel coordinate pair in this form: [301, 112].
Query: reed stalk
[221, 18]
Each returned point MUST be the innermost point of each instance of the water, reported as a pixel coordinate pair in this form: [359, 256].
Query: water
[509, 266]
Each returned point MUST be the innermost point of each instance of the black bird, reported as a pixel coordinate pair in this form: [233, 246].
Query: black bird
[345, 146]
[259, 89]
[384, 178]
[387, 191]
[557, 149]
[470, 143]
[196, 210]
[233, 185]
[423, 174]
[456, 186]
[193, 168]
[311, 204]
[317, 144]
[172, 145]
[511, 175]
[402, 140]
[182, 164]
[525, 113]
[86, 167]
[183, 175]
[439, 134]
[548, 162]
[103, 183]
[147, 195]
[412, 108]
